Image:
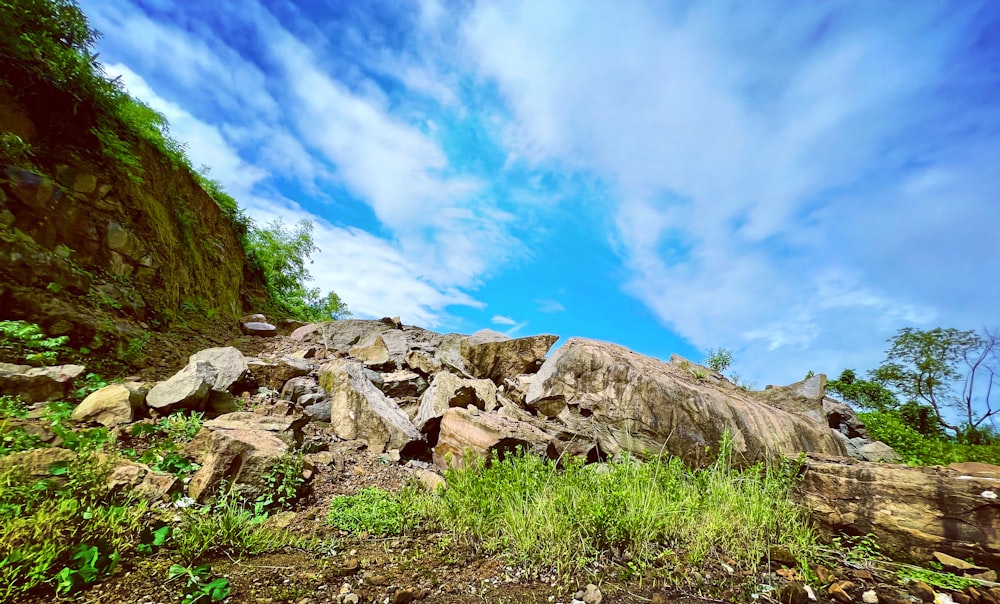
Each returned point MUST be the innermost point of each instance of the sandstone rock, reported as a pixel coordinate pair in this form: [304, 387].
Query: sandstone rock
[372, 352]
[38, 383]
[142, 483]
[186, 389]
[804, 398]
[402, 383]
[976, 469]
[122, 241]
[422, 361]
[840, 591]
[359, 410]
[624, 401]
[957, 565]
[229, 364]
[242, 457]
[592, 594]
[283, 420]
[275, 375]
[34, 190]
[262, 330]
[36, 462]
[497, 360]
[447, 391]
[463, 433]
[913, 512]
[112, 405]
[842, 418]
[431, 481]
[878, 451]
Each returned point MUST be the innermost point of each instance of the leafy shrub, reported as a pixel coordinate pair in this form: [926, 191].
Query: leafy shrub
[28, 341]
[923, 450]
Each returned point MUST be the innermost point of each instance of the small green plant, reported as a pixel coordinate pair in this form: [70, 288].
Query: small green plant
[227, 527]
[89, 563]
[371, 511]
[13, 149]
[53, 287]
[200, 587]
[12, 406]
[284, 481]
[935, 578]
[719, 359]
[29, 339]
[181, 427]
[92, 383]
[153, 538]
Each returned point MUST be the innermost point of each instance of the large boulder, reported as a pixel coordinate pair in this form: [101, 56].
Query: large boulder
[112, 405]
[38, 383]
[276, 375]
[447, 391]
[466, 433]
[187, 389]
[359, 410]
[230, 367]
[624, 401]
[282, 419]
[913, 512]
[486, 356]
[241, 457]
[804, 398]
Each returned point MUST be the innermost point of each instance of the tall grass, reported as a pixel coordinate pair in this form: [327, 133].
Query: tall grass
[645, 513]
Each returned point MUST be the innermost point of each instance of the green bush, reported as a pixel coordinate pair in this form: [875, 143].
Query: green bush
[372, 511]
[919, 449]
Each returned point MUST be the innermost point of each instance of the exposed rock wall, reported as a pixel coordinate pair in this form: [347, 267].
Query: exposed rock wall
[85, 249]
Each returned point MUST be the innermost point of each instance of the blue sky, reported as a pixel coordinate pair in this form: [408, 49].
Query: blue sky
[793, 181]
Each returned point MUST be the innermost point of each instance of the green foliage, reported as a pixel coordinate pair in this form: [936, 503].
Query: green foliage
[65, 529]
[227, 527]
[283, 483]
[282, 254]
[181, 427]
[200, 587]
[935, 578]
[920, 449]
[718, 359]
[30, 342]
[12, 406]
[863, 393]
[17, 439]
[88, 564]
[153, 538]
[650, 513]
[371, 510]
[13, 149]
[92, 383]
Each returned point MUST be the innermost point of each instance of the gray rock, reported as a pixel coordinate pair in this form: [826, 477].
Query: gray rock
[359, 410]
[486, 356]
[229, 363]
[112, 405]
[262, 330]
[38, 383]
[186, 389]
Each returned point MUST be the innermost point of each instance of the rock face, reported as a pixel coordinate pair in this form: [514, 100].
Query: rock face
[38, 383]
[501, 359]
[358, 409]
[625, 401]
[464, 432]
[912, 512]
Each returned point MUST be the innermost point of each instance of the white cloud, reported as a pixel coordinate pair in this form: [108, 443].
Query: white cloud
[547, 305]
[502, 320]
[730, 145]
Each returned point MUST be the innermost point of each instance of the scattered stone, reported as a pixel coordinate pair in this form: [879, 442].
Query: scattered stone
[869, 597]
[793, 593]
[922, 591]
[112, 405]
[229, 364]
[839, 591]
[957, 565]
[593, 595]
[186, 389]
[259, 329]
[373, 352]
[824, 574]
[38, 383]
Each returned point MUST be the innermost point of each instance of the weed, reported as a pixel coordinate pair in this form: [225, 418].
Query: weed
[179, 427]
[934, 577]
[645, 513]
[30, 340]
[136, 348]
[372, 511]
[200, 586]
[12, 406]
[92, 383]
[89, 563]
[284, 481]
[13, 149]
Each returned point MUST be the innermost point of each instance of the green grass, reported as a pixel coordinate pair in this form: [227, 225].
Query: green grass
[649, 513]
[372, 511]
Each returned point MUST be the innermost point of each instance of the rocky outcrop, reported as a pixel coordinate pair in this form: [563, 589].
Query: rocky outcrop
[447, 391]
[912, 512]
[625, 401]
[487, 356]
[38, 383]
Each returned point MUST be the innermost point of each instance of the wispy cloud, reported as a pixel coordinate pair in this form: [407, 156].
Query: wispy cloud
[547, 305]
[502, 320]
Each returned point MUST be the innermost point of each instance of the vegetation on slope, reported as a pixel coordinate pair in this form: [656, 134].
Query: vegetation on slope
[47, 49]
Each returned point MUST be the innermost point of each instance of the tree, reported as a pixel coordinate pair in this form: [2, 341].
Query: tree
[282, 254]
[863, 393]
[924, 366]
